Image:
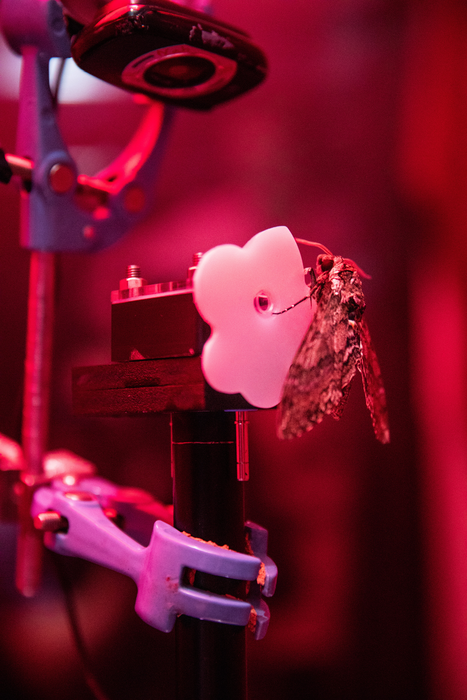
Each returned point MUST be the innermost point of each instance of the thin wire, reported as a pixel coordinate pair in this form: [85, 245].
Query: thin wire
[67, 588]
[315, 245]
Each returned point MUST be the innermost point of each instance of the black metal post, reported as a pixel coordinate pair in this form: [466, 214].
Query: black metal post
[208, 503]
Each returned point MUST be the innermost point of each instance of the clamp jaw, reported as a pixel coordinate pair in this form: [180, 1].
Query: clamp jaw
[76, 522]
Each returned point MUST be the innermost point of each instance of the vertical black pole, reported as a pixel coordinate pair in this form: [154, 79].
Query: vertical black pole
[208, 503]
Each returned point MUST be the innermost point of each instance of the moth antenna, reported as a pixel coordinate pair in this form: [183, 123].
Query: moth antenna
[306, 271]
[361, 272]
[289, 308]
[315, 245]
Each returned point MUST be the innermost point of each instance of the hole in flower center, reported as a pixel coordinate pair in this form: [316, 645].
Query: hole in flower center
[263, 302]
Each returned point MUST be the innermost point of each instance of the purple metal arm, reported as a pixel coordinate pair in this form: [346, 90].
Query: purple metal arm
[65, 211]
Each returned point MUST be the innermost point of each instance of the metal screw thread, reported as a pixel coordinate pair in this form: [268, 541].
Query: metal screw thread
[196, 258]
[133, 271]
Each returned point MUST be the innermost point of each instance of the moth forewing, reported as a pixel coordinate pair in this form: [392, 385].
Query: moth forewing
[336, 344]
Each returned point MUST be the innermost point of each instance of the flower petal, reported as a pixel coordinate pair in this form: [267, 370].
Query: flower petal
[239, 292]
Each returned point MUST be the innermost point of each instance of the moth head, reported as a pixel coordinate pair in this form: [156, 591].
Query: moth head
[324, 263]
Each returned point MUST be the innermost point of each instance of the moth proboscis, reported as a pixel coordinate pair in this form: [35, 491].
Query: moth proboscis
[336, 345]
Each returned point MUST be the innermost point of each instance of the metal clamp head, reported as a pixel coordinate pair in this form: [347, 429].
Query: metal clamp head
[157, 569]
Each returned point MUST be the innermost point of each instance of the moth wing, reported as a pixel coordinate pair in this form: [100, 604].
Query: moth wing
[339, 409]
[313, 387]
[373, 386]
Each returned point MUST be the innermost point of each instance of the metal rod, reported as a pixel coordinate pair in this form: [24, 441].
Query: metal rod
[20, 166]
[243, 459]
[24, 167]
[36, 405]
[208, 503]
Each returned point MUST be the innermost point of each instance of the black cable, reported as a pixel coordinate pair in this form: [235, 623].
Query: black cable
[6, 172]
[86, 665]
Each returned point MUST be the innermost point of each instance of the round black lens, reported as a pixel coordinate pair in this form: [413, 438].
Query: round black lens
[180, 72]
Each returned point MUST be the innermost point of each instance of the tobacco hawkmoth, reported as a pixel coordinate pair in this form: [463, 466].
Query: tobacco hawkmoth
[336, 345]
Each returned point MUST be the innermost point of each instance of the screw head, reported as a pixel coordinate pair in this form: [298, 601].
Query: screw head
[89, 231]
[50, 521]
[61, 178]
[191, 270]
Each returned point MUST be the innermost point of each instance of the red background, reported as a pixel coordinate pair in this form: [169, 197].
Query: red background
[357, 139]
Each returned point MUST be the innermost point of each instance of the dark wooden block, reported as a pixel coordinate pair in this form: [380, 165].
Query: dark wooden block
[148, 386]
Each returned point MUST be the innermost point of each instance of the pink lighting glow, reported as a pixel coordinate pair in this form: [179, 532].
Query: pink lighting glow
[357, 139]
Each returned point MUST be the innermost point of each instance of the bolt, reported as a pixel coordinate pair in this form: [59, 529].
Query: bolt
[51, 521]
[89, 231]
[133, 271]
[61, 178]
[191, 270]
[133, 279]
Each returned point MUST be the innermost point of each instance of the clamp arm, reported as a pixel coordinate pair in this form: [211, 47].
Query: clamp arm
[81, 528]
